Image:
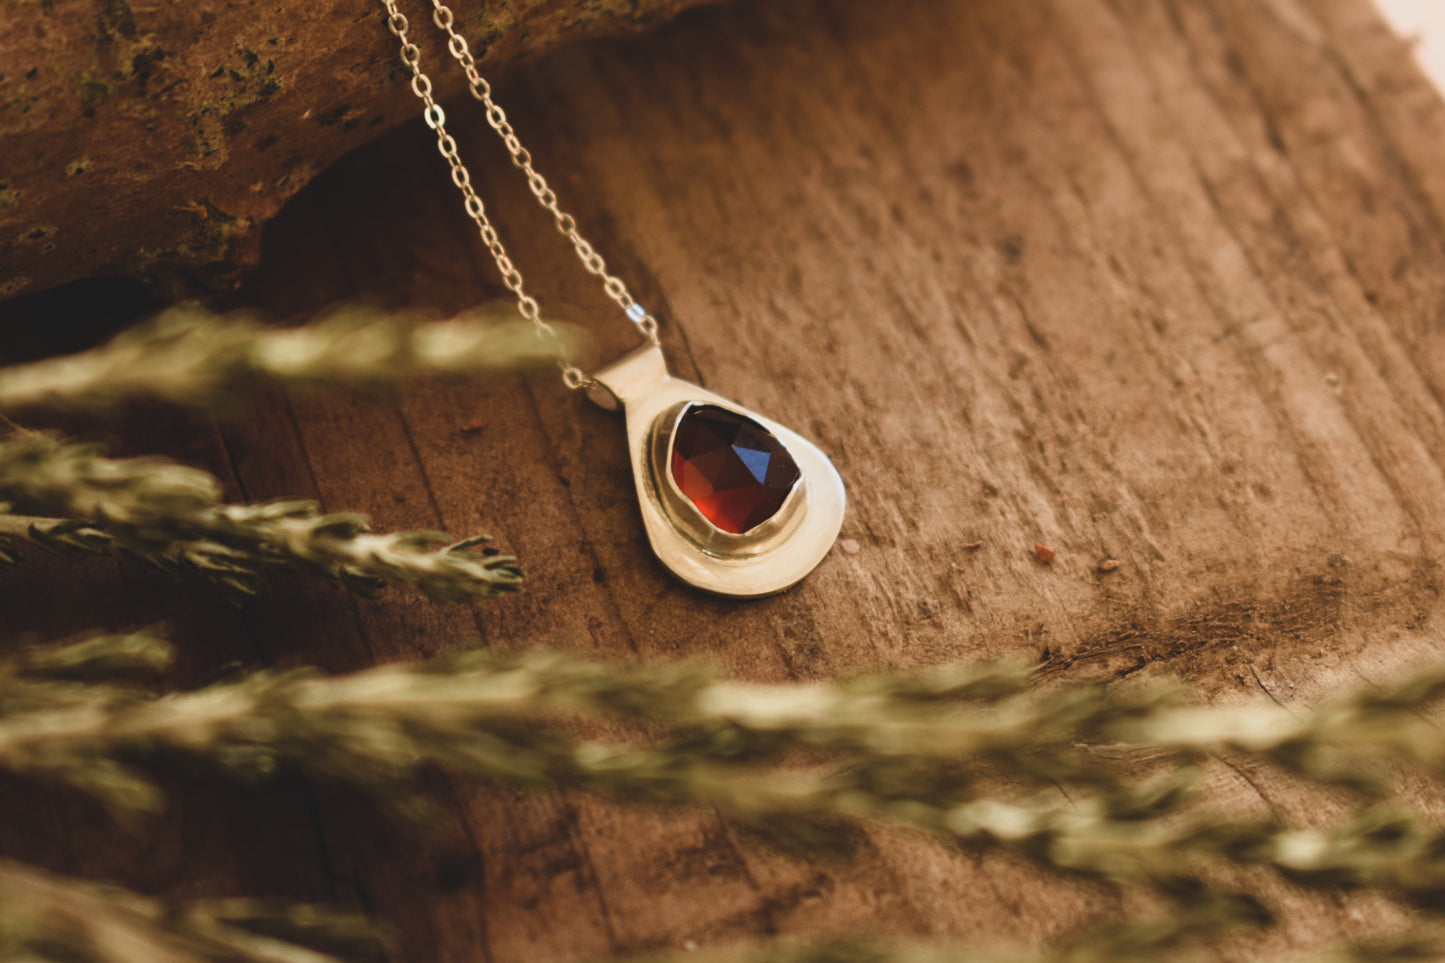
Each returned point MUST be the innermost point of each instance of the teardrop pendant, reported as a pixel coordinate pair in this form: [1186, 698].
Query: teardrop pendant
[733, 503]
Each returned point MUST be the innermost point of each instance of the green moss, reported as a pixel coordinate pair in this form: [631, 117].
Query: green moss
[114, 17]
[151, 255]
[217, 225]
[13, 285]
[141, 65]
[212, 230]
[233, 86]
[93, 90]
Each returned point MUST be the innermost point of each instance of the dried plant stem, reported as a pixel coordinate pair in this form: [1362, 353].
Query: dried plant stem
[1139, 941]
[228, 569]
[192, 358]
[498, 720]
[44, 916]
[20, 526]
[997, 715]
[44, 677]
[1187, 935]
[171, 515]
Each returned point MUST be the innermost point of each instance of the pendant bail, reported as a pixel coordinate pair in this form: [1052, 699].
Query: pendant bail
[634, 375]
[688, 529]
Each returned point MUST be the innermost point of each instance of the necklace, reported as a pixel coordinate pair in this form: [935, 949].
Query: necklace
[733, 503]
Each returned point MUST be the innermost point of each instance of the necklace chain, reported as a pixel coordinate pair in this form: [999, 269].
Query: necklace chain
[435, 118]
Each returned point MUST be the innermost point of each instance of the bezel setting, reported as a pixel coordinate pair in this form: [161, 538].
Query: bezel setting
[769, 533]
[766, 559]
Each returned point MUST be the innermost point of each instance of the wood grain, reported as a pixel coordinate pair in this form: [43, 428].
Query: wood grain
[1145, 280]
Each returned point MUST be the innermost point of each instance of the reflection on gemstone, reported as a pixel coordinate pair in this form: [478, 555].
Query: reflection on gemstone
[733, 469]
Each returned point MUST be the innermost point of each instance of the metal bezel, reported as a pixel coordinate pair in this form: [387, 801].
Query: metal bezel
[639, 383]
[692, 522]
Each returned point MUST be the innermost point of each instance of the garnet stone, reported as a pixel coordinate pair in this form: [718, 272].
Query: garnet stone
[733, 469]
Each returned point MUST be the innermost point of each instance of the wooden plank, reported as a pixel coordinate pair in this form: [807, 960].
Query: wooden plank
[1144, 280]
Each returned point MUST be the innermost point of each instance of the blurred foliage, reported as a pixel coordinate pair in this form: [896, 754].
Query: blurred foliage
[1107, 783]
[49, 917]
[68, 498]
[190, 357]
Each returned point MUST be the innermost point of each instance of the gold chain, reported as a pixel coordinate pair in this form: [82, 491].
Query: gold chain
[435, 118]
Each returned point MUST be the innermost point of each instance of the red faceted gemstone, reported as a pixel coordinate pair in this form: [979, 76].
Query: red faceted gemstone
[733, 469]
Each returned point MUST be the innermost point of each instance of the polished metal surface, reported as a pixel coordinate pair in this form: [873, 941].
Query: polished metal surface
[764, 561]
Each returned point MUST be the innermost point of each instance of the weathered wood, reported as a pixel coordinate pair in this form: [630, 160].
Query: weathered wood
[1145, 280]
[155, 140]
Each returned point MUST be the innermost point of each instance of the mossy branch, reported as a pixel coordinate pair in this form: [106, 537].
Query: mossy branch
[171, 516]
[192, 358]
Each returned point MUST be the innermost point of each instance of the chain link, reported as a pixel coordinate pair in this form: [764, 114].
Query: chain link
[481, 90]
[435, 117]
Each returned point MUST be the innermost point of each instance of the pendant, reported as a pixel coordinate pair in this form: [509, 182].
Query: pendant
[733, 503]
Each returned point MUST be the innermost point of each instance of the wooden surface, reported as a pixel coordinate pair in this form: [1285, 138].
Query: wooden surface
[1147, 280]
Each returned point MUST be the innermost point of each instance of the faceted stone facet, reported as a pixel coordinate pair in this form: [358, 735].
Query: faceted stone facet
[733, 469]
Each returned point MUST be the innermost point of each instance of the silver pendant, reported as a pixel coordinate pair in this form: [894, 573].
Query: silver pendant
[733, 503]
